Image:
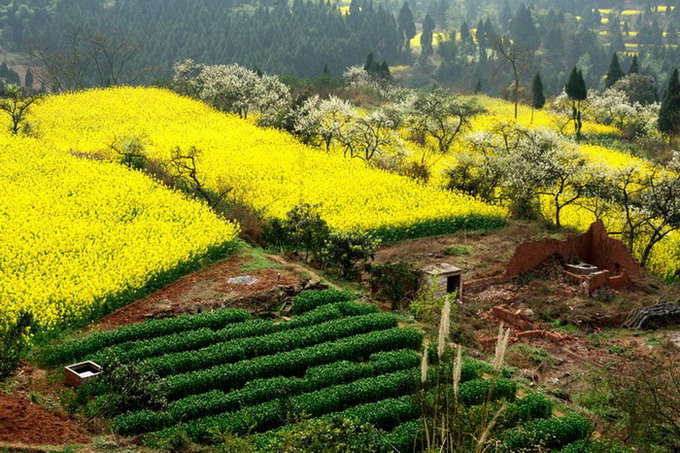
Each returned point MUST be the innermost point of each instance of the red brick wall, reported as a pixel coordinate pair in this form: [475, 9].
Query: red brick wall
[594, 247]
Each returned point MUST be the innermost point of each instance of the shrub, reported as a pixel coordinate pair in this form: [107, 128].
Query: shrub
[342, 251]
[13, 342]
[132, 387]
[596, 446]
[303, 230]
[335, 435]
[403, 438]
[396, 283]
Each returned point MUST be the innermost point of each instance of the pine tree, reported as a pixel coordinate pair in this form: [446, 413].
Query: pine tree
[369, 65]
[669, 114]
[465, 35]
[615, 73]
[634, 66]
[577, 91]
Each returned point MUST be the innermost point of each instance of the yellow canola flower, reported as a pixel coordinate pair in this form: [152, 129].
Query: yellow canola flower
[75, 231]
[267, 169]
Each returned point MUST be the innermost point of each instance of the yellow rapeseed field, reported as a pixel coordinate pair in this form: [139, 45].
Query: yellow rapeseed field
[266, 169]
[77, 231]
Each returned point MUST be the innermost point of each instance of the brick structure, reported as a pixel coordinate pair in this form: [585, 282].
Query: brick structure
[616, 266]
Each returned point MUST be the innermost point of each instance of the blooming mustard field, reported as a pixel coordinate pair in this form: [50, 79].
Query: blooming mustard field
[266, 169]
[81, 237]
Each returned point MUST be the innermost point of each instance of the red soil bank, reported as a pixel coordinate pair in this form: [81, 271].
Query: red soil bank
[27, 423]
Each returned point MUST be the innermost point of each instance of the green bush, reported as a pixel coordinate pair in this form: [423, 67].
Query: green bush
[13, 342]
[309, 300]
[247, 348]
[477, 391]
[547, 433]
[75, 350]
[342, 251]
[396, 283]
[291, 363]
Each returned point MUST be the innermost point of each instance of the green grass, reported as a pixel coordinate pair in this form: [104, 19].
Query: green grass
[257, 260]
[458, 250]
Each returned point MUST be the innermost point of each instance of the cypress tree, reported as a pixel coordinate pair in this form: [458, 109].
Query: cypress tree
[538, 100]
[577, 91]
[407, 26]
[615, 73]
[28, 80]
[538, 94]
[426, 37]
[669, 114]
[634, 66]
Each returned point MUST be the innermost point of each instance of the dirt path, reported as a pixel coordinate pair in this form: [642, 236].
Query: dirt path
[302, 270]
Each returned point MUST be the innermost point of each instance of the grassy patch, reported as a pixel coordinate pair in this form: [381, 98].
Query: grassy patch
[257, 260]
[458, 250]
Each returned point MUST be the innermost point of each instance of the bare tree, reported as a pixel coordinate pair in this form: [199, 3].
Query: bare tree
[82, 58]
[182, 170]
[518, 57]
[16, 102]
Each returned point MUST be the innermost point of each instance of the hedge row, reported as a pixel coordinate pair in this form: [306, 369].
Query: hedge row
[476, 392]
[547, 433]
[291, 363]
[76, 350]
[310, 300]
[262, 390]
[331, 399]
[436, 227]
[595, 446]
[202, 338]
[385, 414]
[403, 438]
[247, 348]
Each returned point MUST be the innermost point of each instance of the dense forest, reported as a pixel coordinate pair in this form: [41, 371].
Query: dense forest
[465, 44]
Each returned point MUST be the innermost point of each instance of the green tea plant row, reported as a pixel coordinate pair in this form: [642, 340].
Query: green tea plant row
[263, 390]
[76, 350]
[547, 433]
[291, 363]
[247, 348]
[310, 300]
[407, 436]
[204, 337]
[331, 399]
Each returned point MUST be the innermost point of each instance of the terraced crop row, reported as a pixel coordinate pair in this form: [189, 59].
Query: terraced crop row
[291, 363]
[247, 348]
[75, 350]
[204, 337]
[263, 390]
